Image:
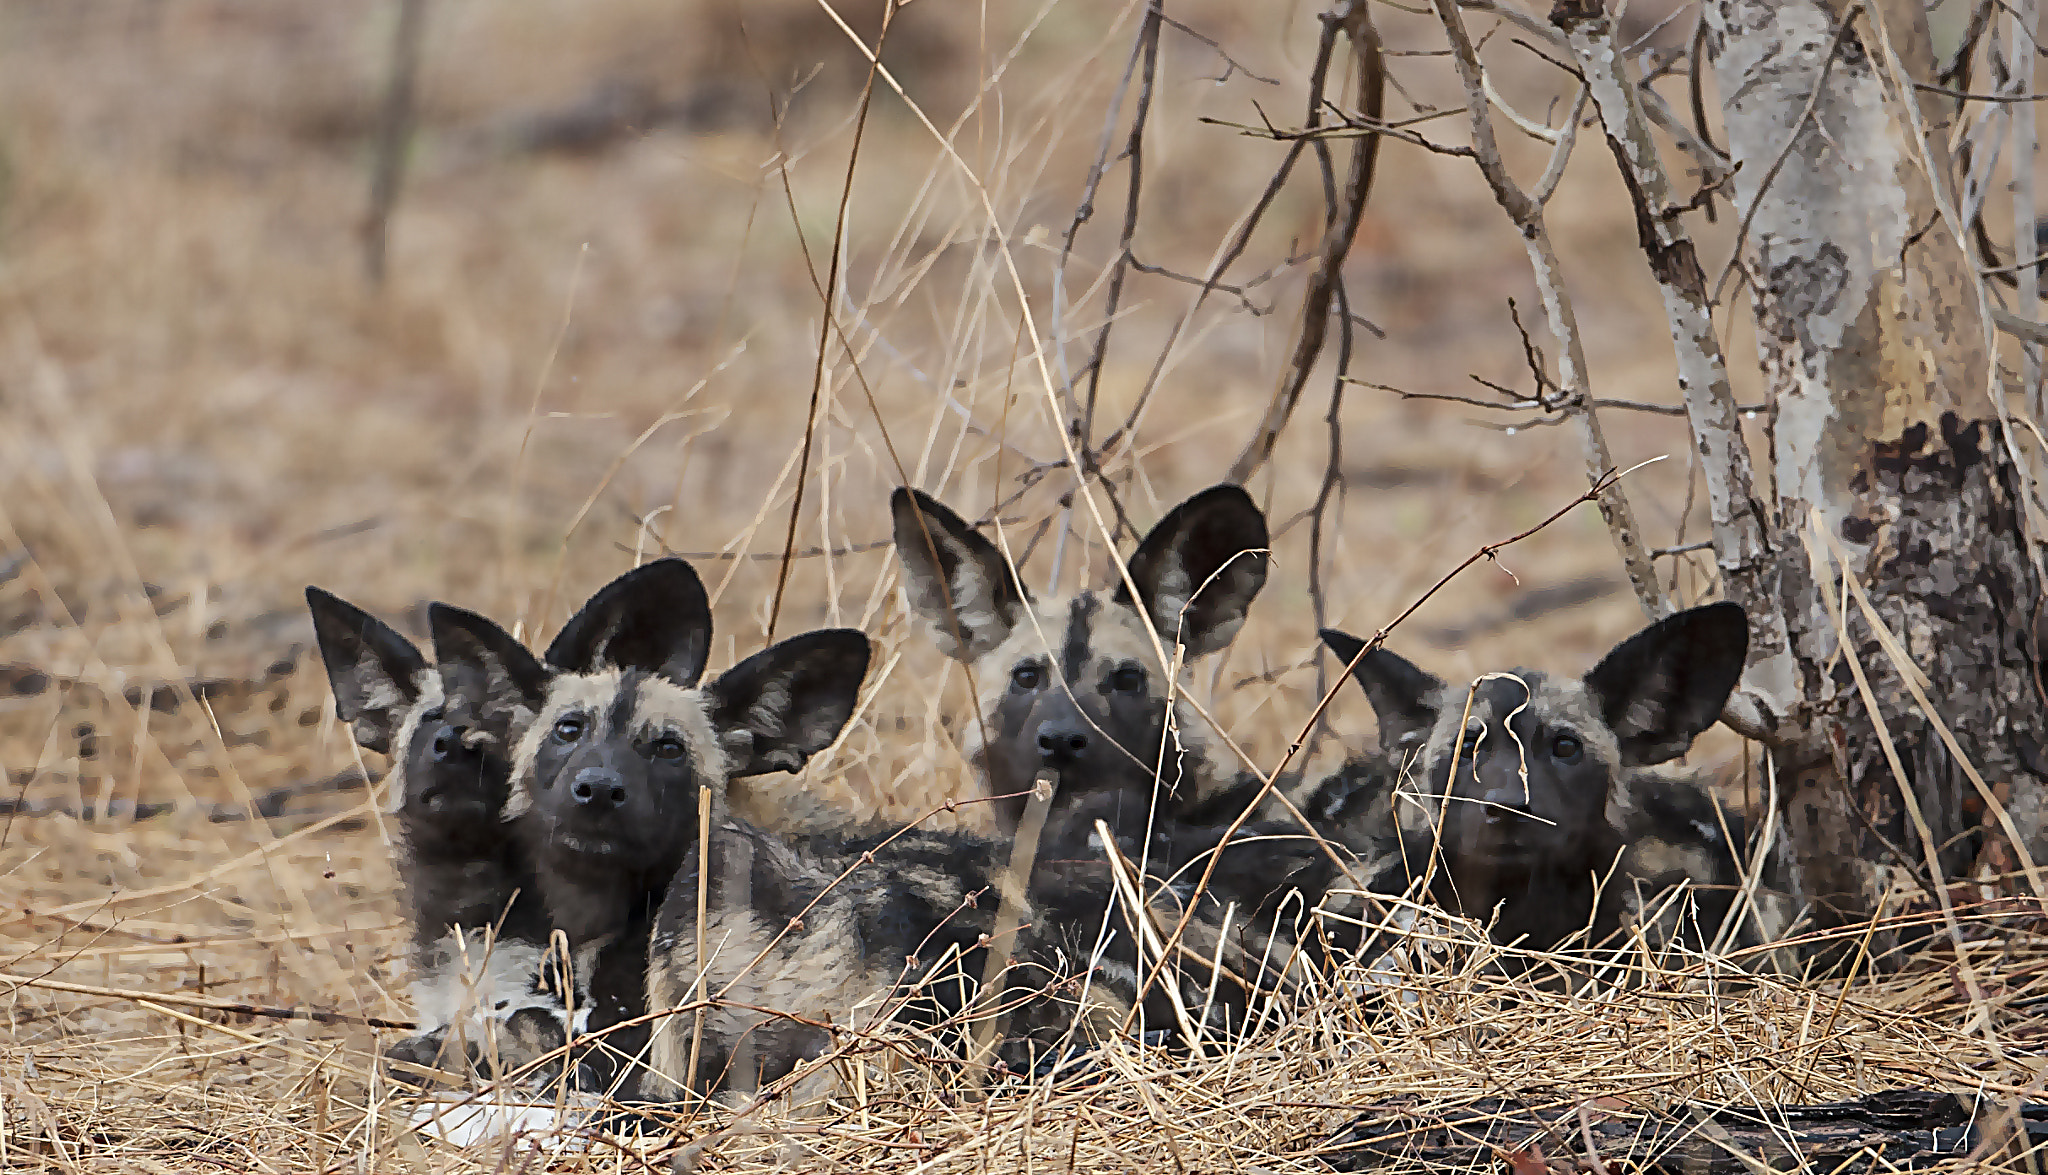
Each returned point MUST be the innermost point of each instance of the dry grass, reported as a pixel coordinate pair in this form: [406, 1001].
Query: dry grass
[581, 357]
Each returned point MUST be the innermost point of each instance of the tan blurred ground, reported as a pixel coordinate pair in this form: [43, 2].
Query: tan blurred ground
[586, 353]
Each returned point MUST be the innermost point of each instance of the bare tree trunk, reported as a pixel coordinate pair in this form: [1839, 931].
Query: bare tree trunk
[1884, 432]
[394, 136]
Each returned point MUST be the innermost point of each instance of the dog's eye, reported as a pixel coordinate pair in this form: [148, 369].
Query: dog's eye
[1475, 743]
[1026, 677]
[668, 747]
[568, 730]
[1130, 679]
[1566, 748]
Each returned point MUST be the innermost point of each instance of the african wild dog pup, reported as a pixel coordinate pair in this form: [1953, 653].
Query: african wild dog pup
[479, 929]
[1072, 686]
[604, 843]
[1556, 781]
[613, 769]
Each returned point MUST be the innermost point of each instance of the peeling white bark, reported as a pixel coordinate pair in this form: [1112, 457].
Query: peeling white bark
[1856, 342]
[1872, 338]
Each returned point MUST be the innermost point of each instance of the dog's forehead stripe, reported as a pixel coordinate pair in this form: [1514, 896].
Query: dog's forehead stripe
[620, 714]
[1111, 635]
[1074, 653]
[635, 704]
[1550, 704]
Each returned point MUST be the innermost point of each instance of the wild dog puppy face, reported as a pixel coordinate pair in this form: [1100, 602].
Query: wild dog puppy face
[608, 759]
[1074, 685]
[396, 704]
[618, 739]
[478, 989]
[1539, 759]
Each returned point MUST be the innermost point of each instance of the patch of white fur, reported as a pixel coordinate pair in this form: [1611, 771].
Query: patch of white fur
[971, 594]
[1170, 598]
[465, 1120]
[428, 683]
[480, 984]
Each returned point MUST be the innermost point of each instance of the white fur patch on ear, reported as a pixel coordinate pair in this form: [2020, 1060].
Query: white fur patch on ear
[982, 624]
[1170, 597]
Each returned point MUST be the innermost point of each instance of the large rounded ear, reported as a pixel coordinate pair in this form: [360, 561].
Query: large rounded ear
[654, 618]
[502, 681]
[1404, 696]
[1197, 572]
[374, 671]
[956, 580]
[782, 705]
[1664, 686]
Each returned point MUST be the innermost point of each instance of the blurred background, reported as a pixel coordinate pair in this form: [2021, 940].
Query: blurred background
[596, 338]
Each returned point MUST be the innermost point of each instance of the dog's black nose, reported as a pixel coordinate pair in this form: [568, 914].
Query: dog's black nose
[1061, 743]
[598, 788]
[1507, 805]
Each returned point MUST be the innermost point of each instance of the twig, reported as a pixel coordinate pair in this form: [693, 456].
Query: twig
[1341, 226]
[1134, 153]
[1012, 907]
[1240, 292]
[1741, 532]
[1527, 214]
[1230, 64]
[1966, 96]
[825, 327]
[200, 1001]
[1711, 161]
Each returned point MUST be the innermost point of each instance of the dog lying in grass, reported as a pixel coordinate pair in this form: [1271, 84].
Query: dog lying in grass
[779, 945]
[1544, 804]
[484, 1001]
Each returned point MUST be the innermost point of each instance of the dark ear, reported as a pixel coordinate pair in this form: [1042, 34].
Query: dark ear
[482, 664]
[956, 579]
[654, 618]
[1198, 570]
[1402, 695]
[1661, 688]
[374, 671]
[782, 705]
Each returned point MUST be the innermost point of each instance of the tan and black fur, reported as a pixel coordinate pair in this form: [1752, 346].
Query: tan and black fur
[1073, 686]
[1558, 789]
[602, 859]
[611, 772]
[481, 995]
[860, 932]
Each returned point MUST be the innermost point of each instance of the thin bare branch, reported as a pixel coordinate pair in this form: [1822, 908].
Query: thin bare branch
[1742, 532]
[1574, 394]
[1345, 211]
